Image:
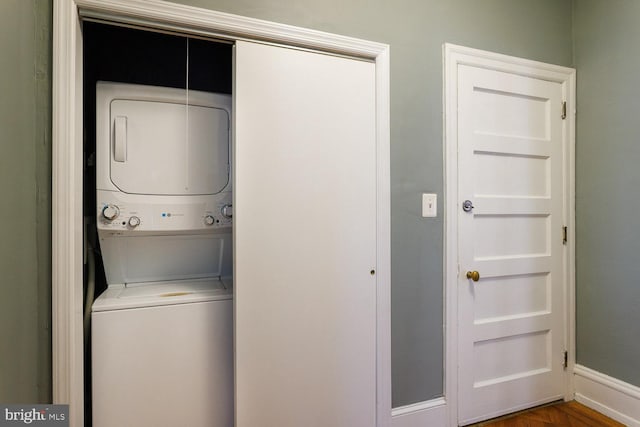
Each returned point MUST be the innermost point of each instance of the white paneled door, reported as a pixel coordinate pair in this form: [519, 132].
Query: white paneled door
[305, 238]
[510, 242]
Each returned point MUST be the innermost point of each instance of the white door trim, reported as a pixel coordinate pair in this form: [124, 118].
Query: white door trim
[67, 228]
[453, 57]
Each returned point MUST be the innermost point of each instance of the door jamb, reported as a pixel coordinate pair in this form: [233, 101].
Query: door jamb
[67, 165]
[453, 57]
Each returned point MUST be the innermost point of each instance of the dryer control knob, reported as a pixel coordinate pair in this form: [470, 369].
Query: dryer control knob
[227, 211]
[110, 212]
[134, 221]
[209, 220]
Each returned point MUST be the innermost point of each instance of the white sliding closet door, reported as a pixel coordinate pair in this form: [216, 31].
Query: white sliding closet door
[305, 238]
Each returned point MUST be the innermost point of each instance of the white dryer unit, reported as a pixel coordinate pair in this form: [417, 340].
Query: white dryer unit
[162, 332]
[162, 159]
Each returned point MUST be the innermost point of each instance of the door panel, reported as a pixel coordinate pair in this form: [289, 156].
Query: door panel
[511, 335]
[305, 238]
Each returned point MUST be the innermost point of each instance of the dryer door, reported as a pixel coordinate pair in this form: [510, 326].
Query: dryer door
[166, 148]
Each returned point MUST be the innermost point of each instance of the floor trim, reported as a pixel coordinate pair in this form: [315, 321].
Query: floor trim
[432, 413]
[612, 397]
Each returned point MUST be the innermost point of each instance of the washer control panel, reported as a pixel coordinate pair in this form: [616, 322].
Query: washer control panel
[123, 212]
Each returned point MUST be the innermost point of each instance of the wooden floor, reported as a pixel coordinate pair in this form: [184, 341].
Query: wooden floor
[570, 414]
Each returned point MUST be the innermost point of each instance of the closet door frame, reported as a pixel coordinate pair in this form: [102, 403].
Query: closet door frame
[67, 164]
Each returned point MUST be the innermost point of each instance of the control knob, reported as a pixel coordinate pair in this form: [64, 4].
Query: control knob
[209, 220]
[110, 212]
[227, 211]
[134, 221]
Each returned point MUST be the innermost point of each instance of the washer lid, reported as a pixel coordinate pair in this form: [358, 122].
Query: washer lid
[168, 148]
[154, 294]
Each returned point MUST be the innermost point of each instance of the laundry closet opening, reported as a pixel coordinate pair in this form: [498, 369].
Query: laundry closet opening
[158, 227]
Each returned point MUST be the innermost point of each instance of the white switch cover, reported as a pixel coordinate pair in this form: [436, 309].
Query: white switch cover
[429, 205]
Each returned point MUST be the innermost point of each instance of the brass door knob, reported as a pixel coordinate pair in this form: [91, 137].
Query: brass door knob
[473, 275]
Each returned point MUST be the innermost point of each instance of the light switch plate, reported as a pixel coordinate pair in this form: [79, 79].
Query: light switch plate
[429, 205]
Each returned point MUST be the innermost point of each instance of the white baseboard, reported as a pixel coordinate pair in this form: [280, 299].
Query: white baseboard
[609, 396]
[432, 413]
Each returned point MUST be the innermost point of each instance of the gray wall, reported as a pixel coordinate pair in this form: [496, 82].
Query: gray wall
[25, 284]
[415, 29]
[607, 36]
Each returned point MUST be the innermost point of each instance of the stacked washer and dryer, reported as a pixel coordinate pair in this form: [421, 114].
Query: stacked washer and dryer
[162, 332]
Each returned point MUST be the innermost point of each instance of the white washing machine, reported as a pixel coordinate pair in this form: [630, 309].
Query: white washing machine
[162, 332]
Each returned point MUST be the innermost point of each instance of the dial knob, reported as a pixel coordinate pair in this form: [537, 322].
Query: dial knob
[110, 212]
[134, 221]
[227, 211]
[209, 220]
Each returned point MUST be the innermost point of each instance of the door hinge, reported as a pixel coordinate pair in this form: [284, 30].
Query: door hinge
[564, 235]
[564, 110]
[565, 360]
